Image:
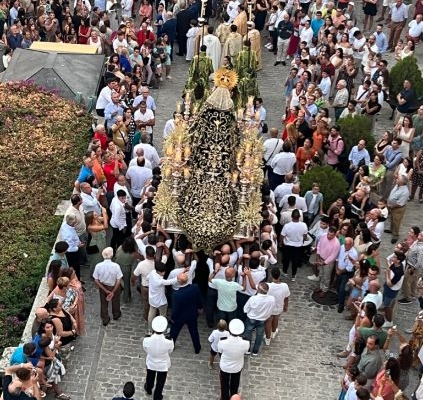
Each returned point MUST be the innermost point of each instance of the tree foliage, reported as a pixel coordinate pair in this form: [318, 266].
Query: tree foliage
[353, 129]
[402, 70]
[331, 182]
[41, 143]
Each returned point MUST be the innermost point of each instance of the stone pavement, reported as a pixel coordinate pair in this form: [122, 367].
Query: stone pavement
[299, 364]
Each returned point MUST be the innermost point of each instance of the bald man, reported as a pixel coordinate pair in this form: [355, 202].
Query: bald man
[347, 257]
[187, 304]
[300, 202]
[227, 290]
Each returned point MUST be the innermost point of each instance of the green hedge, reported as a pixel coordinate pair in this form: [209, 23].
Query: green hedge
[41, 145]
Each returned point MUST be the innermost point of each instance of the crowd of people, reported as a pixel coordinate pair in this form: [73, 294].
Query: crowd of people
[336, 71]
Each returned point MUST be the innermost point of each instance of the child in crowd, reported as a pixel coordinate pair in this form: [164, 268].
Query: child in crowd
[359, 383]
[270, 24]
[350, 376]
[214, 338]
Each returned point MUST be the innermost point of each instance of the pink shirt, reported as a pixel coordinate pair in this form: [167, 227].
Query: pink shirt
[336, 145]
[328, 249]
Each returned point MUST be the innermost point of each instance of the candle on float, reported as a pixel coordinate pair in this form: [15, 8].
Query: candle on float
[257, 116]
[179, 139]
[247, 147]
[187, 173]
[240, 113]
[238, 156]
[188, 97]
[178, 155]
[178, 107]
[235, 175]
[250, 100]
[187, 152]
[195, 109]
[248, 163]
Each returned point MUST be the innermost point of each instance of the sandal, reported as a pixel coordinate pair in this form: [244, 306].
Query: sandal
[62, 396]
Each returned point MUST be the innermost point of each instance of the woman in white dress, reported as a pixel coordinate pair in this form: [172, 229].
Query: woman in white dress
[404, 130]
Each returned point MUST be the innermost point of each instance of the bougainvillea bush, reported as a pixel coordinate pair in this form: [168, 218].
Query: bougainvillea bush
[42, 141]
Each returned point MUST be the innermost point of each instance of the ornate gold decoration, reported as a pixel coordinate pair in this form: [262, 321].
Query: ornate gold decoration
[225, 78]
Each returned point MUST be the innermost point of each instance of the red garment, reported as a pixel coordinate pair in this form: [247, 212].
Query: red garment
[143, 36]
[84, 30]
[294, 41]
[329, 68]
[103, 140]
[289, 120]
[418, 9]
[110, 177]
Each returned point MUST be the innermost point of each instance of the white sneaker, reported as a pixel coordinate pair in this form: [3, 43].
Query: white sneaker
[313, 278]
[169, 77]
[387, 325]
[267, 341]
[288, 58]
[267, 45]
[275, 333]
[161, 79]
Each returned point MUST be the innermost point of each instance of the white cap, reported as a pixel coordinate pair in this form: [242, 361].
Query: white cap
[351, 3]
[159, 324]
[236, 327]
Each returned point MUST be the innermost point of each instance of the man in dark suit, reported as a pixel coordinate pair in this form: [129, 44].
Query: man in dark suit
[169, 29]
[187, 304]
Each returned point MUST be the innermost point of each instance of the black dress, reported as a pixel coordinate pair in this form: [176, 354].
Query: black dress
[370, 9]
[260, 16]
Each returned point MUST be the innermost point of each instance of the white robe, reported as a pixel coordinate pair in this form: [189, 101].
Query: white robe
[191, 34]
[213, 49]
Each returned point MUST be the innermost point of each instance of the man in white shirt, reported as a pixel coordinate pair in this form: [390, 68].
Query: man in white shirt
[258, 309]
[144, 118]
[145, 96]
[169, 126]
[284, 188]
[347, 257]
[231, 363]
[158, 349]
[105, 96]
[150, 153]
[306, 33]
[415, 29]
[68, 234]
[137, 176]
[139, 152]
[358, 45]
[181, 264]
[271, 146]
[286, 215]
[107, 276]
[90, 198]
[120, 42]
[293, 236]
[142, 271]
[156, 292]
[325, 85]
[300, 202]
[282, 164]
[118, 208]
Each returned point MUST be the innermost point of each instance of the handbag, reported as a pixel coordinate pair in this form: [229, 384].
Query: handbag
[271, 155]
[264, 127]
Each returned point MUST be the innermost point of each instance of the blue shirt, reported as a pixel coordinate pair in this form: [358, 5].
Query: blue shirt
[392, 158]
[316, 24]
[84, 173]
[18, 357]
[381, 42]
[110, 109]
[357, 155]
